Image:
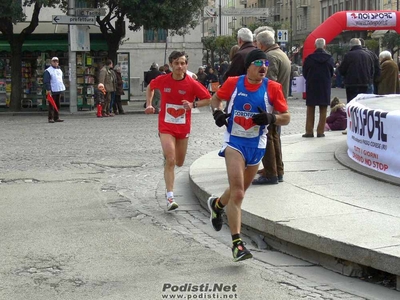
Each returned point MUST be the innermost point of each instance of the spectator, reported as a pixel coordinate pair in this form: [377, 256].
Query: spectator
[388, 81]
[166, 69]
[161, 69]
[279, 71]
[357, 69]
[107, 78]
[222, 69]
[337, 119]
[376, 66]
[210, 78]
[53, 82]
[318, 72]
[119, 91]
[150, 75]
[201, 76]
[338, 76]
[232, 52]
[245, 42]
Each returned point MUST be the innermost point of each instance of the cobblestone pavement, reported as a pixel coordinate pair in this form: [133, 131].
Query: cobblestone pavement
[126, 149]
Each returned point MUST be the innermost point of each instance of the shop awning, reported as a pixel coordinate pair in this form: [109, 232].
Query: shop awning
[52, 45]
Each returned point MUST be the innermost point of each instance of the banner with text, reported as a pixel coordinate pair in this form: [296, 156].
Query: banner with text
[373, 136]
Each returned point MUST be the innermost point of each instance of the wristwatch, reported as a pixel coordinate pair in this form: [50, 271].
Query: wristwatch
[194, 104]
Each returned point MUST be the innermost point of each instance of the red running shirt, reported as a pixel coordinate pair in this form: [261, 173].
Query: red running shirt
[172, 116]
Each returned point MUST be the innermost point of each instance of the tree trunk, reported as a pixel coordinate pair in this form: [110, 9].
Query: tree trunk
[16, 76]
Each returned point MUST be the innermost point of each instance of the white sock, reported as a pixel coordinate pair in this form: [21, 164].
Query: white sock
[170, 194]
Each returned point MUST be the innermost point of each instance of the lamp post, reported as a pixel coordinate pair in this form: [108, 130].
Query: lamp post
[291, 27]
[73, 105]
[219, 17]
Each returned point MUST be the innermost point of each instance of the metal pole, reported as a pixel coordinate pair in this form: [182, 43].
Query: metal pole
[73, 106]
[220, 17]
[291, 28]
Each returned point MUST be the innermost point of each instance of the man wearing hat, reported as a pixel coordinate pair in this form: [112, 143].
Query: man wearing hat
[53, 82]
[150, 75]
[254, 103]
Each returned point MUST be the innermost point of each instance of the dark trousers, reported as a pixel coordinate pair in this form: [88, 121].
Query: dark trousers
[353, 91]
[310, 119]
[272, 160]
[117, 105]
[53, 114]
[106, 104]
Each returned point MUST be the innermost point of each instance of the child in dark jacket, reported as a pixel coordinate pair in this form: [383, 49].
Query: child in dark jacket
[337, 119]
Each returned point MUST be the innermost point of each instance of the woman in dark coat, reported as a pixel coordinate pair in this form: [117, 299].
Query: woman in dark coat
[318, 72]
[117, 106]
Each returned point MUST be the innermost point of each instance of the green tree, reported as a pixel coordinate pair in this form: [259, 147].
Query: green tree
[11, 13]
[391, 41]
[210, 46]
[224, 44]
[177, 16]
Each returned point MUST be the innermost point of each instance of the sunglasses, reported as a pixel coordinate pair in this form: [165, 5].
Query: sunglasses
[260, 63]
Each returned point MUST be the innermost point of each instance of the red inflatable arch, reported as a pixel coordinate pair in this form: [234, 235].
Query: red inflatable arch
[351, 20]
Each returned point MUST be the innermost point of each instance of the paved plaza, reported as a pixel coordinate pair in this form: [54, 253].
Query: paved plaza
[82, 213]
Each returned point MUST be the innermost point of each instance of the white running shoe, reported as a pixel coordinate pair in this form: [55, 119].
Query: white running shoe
[171, 204]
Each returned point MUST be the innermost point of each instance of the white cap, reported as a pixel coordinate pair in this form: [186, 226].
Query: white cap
[54, 58]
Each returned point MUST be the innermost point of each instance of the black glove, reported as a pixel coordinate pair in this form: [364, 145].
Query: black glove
[220, 118]
[263, 118]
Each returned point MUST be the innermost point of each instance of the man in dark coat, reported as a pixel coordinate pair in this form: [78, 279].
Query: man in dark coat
[358, 70]
[372, 87]
[318, 72]
[150, 75]
[245, 41]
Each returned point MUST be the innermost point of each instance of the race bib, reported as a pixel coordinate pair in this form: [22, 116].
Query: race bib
[243, 126]
[175, 114]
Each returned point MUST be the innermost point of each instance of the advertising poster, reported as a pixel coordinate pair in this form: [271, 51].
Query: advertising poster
[372, 133]
[123, 61]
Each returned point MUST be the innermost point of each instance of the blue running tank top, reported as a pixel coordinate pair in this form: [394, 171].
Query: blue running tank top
[242, 106]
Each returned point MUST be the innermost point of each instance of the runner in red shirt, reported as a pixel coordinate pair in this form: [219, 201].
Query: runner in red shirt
[178, 94]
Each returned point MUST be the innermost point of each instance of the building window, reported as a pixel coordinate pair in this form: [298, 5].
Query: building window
[340, 6]
[334, 8]
[324, 14]
[155, 36]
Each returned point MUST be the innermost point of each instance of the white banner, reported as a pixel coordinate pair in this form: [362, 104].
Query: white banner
[370, 19]
[372, 134]
[298, 84]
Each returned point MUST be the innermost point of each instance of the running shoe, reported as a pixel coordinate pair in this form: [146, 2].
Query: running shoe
[240, 252]
[171, 204]
[215, 214]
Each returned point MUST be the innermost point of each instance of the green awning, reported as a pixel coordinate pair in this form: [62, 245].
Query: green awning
[52, 45]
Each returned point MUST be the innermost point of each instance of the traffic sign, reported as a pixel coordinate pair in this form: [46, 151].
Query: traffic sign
[73, 20]
[90, 12]
[282, 35]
